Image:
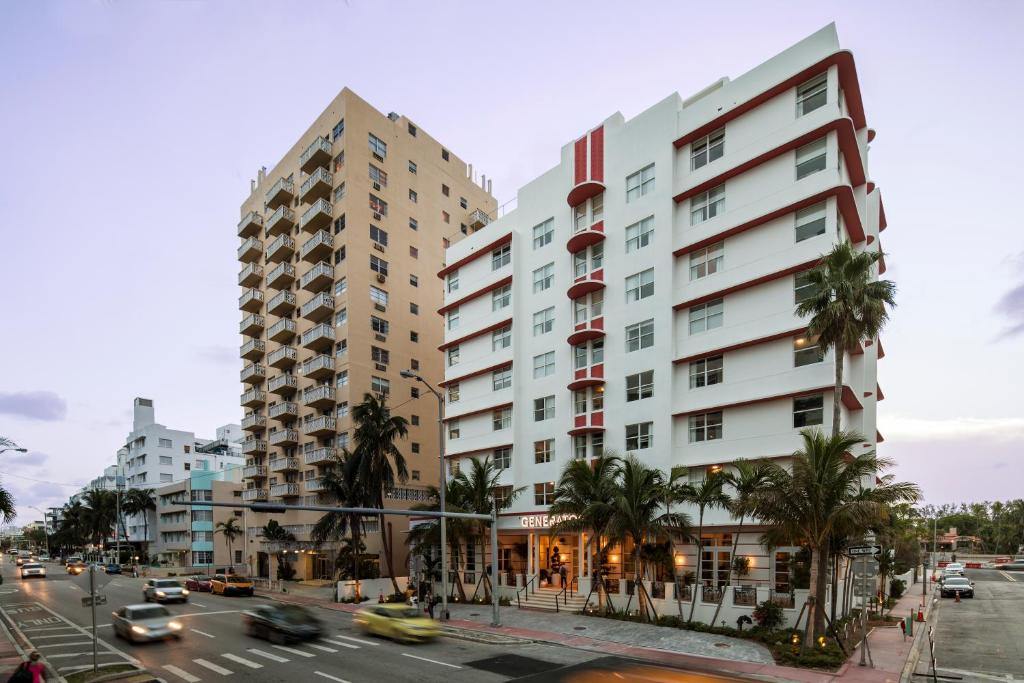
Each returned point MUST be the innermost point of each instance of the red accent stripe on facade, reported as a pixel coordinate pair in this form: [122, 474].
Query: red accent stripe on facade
[847, 81]
[477, 450]
[472, 295]
[478, 411]
[842, 193]
[474, 335]
[475, 373]
[878, 392]
[807, 265]
[881, 215]
[580, 160]
[847, 145]
[481, 251]
[849, 400]
[597, 154]
[878, 437]
[881, 351]
[741, 345]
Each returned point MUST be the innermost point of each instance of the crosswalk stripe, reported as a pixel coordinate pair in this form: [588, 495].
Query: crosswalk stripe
[243, 661]
[214, 667]
[356, 640]
[293, 651]
[330, 677]
[321, 647]
[341, 644]
[202, 633]
[182, 674]
[432, 661]
[271, 657]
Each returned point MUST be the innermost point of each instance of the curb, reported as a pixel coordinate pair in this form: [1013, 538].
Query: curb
[469, 634]
[914, 658]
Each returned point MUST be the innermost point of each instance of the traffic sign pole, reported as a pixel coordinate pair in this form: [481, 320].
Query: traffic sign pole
[92, 603]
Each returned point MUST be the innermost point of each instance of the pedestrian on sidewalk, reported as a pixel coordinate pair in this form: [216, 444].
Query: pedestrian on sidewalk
[430, 607]
[33, 667]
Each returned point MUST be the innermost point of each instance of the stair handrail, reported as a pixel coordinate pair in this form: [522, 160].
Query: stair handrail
[526, 586]
[566, 589]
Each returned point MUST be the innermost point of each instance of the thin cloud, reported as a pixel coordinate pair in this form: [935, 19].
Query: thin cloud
[221, 355]
[34, 405]
[1011, 305]
[29, 459]
[923, 429]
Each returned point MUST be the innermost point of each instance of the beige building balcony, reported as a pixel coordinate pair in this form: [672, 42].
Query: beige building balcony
[254, 423]
[317, 248]
[318, 397]
[282, 331]
[318, 338]
[250, 225]
[478, 219]
[283, 385]
[251, 301]
[286, 490]
[252, 324]
[250, 495]
[317, 216]
[253, 349]
[318, 154]
[318, 367]
[251, 250]
[320, 456]
[253, 446]
[251, 275]
[283, 437]
[282, 192]
[285, 464]
[284, 412]
[253, 374]
[255, 472]
[317, 186]
[319, 307]
[323, 425]
[301, 532]
[318, 277]
[281, 249]
[281, 276]
[253, 398]
[282, 357]
[314, 485]
[281, 303]
[280, 222]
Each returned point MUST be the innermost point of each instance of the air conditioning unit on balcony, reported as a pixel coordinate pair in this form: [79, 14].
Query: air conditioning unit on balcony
[378, 157]
[381, 307]
[377, 216]
[380, 337]
[381, 367]
[381, 277]
[376, 186]
[378, 247]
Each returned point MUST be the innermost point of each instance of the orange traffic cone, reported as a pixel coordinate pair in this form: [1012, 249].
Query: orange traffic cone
[957, 594]
[920, 613]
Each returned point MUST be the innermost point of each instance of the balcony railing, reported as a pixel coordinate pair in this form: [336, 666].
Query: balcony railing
[478, 219]
[253, 397]
[250, 250]
[282, 357]
[250, 275]
[320, 426]
[250, 224]
[280, 222]
[251, 301]
[318, 366]
[250, 495]
[253, 374]
[316, 278]
[317, 154]
[318, 456]
[254, 423]
[285, 490]
[252, 324]
[254, 446]
[318, 338]
[281, 249]
[315, 484]
[283, 437]
[282, 275]
[284, 464]
[317, 185]
[317, 216]
[254, 471]
[253, 349]
[319, 307]
[282, 384]
[282, 330]
[301, 532]
[281, 303]
[317, 247]
[283, 412]
[318, 397]
[281, 192]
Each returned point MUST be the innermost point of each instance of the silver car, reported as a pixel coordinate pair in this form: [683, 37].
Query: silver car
[139, 623]
[33, 570]
[164, 590]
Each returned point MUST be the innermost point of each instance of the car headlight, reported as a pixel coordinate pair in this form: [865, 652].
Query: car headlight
[184, 591]
[141, 630]
[161, 594]
[174, 625]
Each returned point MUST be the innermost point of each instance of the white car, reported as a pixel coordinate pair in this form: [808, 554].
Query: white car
[955, 567]
[44, 557]
[31, 570]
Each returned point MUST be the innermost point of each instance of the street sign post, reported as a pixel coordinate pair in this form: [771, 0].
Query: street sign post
[94, 600]
[862, 550]
[865, 567]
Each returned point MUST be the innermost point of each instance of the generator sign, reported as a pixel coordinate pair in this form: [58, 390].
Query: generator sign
[542, 521]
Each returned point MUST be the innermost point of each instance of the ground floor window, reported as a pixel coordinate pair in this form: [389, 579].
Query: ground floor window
[715, 562]
[202, 557]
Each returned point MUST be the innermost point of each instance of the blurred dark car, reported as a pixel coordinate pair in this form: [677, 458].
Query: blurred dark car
[198, 583]
[957, 585]
[112, 569]
[281, 624]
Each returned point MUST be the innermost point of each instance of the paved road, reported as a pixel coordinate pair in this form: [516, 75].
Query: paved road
[49, 613]
[982, 639]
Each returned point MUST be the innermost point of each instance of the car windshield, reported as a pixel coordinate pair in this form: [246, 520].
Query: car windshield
[295, 615]
[237, 579]
[958, 581]
[29, 565]
[153, 612]
[167, 584]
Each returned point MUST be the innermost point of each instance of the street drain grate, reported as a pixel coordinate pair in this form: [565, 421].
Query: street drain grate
[722, 645]
[579, 628]
[513, 666]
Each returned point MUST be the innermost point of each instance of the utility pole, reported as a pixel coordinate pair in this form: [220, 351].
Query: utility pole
[92, 604]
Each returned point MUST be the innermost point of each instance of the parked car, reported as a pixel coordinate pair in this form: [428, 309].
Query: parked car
[946, 574]
[954, 567]
[230, 584]
[31, 570]
[112, 568]
[281, 624]
[164, 590]
[198, 583]
[145, 622]
[397, 620]
[954, 585]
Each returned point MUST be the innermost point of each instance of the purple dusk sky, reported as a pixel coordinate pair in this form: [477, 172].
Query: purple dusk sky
[129, 132]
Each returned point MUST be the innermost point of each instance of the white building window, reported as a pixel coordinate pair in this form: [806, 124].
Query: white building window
[378, 265]
[501, 257]
[588, 307]
[810, 158]
[807, 351]
[594, 256]
[341, 286]
[810, 222]
[543, 408]
[543, 321]
[544, 494]
[379, 385]
[501, 339]
[453, 356]
[379, 236]
[501, 379]
[640, 336]
[594, 351]
[453, 318]
[164, 443]
[640, 286]
[812, 94]
[591, 399]
[640, 386]
[502, 419]
[452, 281]
[543, 451]
[341, 379]
[544, 365]
[378, 296]
[341, 317]
[588, 213]
[166, 460]
[639, 234]
[454, 431]
[808, 411]
[707, 261]
[502, 458]
[705, 427]
[639, 436]
[543, 232]
[707, 205]
[342, 409]
[166, 478]
[803, 288]
[454, 392]
[707, 371]
[707, 149]
[378, 146]
[707, 316]
[501, 298]
[640, 183]
[542, 277]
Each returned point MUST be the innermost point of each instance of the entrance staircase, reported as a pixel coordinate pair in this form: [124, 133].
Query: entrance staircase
[545, 598]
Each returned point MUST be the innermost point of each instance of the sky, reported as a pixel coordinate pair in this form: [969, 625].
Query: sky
[129, 132]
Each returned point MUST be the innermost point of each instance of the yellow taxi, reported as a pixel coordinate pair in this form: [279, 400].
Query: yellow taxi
[397, 621]
[229, 584]
[76, 568]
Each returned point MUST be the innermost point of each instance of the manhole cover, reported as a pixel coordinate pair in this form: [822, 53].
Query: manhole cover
[474, 614]
[579, 628]
[722, 645]
[514, 666]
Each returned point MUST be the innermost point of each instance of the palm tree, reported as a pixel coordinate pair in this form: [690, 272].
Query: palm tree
[827, 490]
[707, 495]
[745, 479]
[101, 514]
[230, 530]
[428, 534]
[273, 532]
[676, 490]
[378, 462]
[140, 502]
[7, 508]
[847, 307]
[338, 485]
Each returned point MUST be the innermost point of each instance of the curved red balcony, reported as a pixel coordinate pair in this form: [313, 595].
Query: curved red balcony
[585, 284]
[587, 331]
[587, 377]
[584, 191]
[588, 423]
[585, 238]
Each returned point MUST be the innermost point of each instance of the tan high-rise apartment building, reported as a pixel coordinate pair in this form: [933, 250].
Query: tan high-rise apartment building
[341, 243]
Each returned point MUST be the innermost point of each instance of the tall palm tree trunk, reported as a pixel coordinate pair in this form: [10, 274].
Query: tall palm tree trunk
[837, 394]
[700, 547]
[386, 546]
[355, 561]
[732, 568]
[819, 582]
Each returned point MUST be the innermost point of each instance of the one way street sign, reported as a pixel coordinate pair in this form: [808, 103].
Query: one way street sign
[861, 550]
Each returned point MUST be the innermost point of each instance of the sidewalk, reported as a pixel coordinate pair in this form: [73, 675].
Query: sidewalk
[9, 657]
[889, 649]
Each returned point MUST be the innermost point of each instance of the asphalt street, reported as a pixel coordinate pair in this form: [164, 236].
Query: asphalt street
[50, 615]
[982, 638]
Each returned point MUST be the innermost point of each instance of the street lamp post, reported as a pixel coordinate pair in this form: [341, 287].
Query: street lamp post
[441, 486]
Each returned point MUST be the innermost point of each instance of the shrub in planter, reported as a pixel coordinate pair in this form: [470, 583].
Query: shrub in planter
[768, 614]
[896, 588]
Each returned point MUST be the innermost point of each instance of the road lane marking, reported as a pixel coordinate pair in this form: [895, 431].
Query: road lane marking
[78, 642]
[60, 635]
[203, 614]
[182, 674]
[79, 654]
[1008, 577]
[199, 605]
[88, 634]
[202, 633]
[214, 667]
[50, 628]
[268, 655]
[356, 640]
[320, 647]
[432, 661]
[330, 677]
[242, 660]
[341, 644]
[293, 651]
